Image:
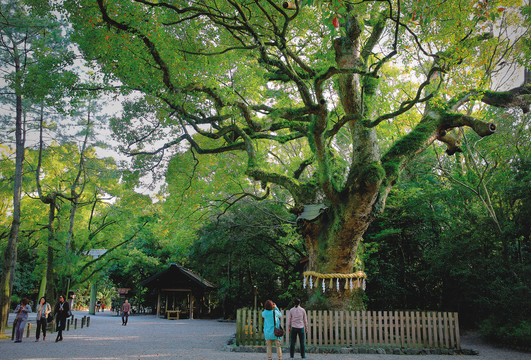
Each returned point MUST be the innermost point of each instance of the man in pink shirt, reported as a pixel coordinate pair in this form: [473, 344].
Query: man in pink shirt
[126, 308]
[297, 326]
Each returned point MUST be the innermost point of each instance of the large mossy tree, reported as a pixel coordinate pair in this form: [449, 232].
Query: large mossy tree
[330, 100]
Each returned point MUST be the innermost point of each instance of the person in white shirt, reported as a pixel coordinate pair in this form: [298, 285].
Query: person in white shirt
[43, 309]
[297, 326]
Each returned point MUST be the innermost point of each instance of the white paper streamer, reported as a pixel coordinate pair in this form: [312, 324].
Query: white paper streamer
[324, 286]
[311, 282]
[304, 282]
[337, 284]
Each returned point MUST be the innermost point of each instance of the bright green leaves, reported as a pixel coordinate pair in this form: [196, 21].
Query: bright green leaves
[35, 54]
[525, 61]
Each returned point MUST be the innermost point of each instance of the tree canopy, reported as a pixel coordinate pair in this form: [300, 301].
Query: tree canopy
[330, 100]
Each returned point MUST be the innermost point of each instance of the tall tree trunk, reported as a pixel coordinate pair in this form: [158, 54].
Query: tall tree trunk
[50, 289]
[74, 196]
[10, 258]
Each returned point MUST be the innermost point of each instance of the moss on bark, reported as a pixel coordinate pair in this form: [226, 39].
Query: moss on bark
[372, 174]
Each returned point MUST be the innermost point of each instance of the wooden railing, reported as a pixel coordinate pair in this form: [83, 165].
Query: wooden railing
[398, 329]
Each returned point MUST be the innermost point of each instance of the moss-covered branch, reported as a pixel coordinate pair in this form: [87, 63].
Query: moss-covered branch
[404, 149]
[303, 193]
[377, 31]
[452, 120]
[517, 97]
[452, 142]
[302, 166]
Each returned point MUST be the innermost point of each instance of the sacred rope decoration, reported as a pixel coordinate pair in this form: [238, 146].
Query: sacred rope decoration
[352, 281]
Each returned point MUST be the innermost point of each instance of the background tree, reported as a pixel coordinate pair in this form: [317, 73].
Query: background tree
[438, 246]
[262, 79]
[27, 33]
[250, 247]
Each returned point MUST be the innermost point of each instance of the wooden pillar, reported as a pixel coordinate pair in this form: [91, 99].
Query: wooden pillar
[189, 309]
[158, 303]
[191, 306]
[209, 307]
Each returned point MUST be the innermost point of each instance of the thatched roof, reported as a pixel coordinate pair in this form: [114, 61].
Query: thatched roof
[177, 277]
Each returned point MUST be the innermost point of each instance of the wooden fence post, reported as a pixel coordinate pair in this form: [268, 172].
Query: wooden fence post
[29, 329]
[239, 325]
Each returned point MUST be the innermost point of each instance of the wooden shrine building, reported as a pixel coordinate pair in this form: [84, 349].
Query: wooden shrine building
[179, 291]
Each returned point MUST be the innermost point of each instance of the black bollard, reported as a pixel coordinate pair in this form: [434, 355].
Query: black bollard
[83, 321]
[88, 321]
[28, 331]
[68, 325]
[75, 323]
[13, 332]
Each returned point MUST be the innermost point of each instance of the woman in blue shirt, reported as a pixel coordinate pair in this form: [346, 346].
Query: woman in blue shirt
[272, 317]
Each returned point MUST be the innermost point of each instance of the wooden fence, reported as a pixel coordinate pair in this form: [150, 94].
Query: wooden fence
[362, 329]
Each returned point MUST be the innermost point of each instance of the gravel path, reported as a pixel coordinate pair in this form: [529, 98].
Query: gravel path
[146, 337]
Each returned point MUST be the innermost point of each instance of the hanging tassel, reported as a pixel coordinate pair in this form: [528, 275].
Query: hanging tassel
[346, 284]
[337, 284]
[331, 285]
[324, 286]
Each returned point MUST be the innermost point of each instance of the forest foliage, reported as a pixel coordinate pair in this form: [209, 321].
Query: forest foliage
[454, 236]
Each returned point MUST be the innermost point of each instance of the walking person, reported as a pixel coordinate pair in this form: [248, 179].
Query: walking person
[22, 310]
[272, 317]
[62, 312]
[126, 309]
[43, 309]
[297, 327]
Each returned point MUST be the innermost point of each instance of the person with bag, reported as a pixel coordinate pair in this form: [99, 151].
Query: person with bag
[297, 326]
[272, 329]
[62, 312]
[43, 310]
[22, 310]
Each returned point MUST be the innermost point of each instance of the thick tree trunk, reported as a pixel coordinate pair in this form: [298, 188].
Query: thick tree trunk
[332, 242]
[10, 258]
[333, 239]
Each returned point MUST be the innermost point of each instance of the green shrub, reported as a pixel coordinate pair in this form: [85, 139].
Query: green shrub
[516, 334]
